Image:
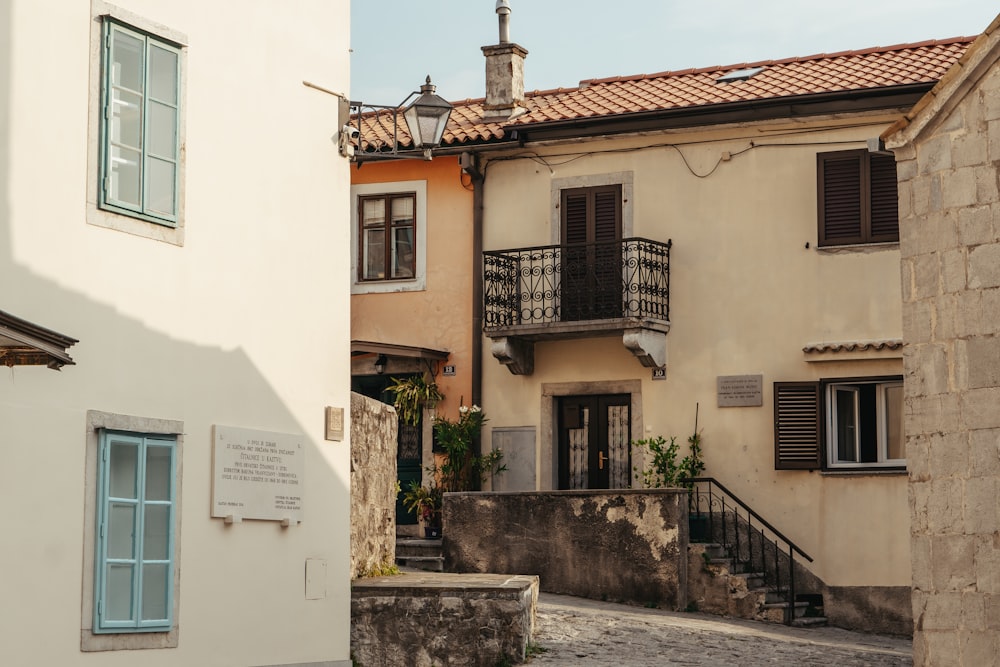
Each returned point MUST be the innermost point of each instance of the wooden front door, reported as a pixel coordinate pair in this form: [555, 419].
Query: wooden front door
[591, 274]
[594, 442]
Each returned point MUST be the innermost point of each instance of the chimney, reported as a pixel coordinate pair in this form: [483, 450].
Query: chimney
[504, 72]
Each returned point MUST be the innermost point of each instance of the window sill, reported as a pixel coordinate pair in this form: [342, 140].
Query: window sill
[137, 226]
[855, 248]
[389, 286]
[864, 472]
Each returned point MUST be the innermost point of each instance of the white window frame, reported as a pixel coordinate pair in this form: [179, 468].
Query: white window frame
[112, 217]
[97, 422]
[881, 426]
[418, 282]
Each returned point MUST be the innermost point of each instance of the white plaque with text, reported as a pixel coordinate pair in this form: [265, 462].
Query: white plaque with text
[257, 474]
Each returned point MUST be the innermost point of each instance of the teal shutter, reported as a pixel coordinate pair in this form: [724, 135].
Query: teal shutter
[140, 125]
[135, 533]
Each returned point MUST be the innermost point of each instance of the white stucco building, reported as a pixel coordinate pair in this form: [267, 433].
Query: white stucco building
[171, 199]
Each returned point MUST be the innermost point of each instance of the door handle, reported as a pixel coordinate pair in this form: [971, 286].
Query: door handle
[601, 458]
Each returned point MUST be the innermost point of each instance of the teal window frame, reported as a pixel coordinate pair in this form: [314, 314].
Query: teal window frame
[143, 208]
[142, 537]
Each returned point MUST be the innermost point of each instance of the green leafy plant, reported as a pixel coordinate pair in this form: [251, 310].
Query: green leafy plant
[412, 393]
[461, 470]
[663, 469]
[425, 501]
[534, 649]
[384, 569]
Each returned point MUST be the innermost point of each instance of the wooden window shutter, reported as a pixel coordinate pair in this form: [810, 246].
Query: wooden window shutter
[884, 199]
[841, 218]
[607, 214]
[797, 443]
[574, 210]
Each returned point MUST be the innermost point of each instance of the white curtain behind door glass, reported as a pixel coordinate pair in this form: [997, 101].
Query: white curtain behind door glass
[578, 447]
[619, 476]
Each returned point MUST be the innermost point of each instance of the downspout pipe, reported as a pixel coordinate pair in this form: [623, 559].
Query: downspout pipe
[470, 163]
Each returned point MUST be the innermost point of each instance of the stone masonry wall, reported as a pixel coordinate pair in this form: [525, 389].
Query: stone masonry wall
[373, 484]
[624, 545]
[950, 249]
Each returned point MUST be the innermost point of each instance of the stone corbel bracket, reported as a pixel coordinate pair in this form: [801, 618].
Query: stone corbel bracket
[648, 345]
[517, 354]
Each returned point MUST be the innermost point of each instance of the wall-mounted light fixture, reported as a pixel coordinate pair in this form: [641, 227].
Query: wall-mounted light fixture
[380, 363]
[426, 118]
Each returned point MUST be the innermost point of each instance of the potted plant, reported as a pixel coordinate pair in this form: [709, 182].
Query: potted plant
[460, 469]
[412, 394]
[426, 503]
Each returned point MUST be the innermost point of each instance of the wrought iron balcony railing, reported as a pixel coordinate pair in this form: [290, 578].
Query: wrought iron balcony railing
[629, 278]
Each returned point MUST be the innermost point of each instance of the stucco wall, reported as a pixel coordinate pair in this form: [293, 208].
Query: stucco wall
[749, 290]
[445, 305]
[373, 484]
[626, 546]
[244, 325]
[950, 243]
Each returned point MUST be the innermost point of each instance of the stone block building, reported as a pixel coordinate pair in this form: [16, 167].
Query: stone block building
[947, 151]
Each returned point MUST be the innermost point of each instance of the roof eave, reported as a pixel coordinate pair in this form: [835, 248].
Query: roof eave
[856, 101]
[23, 343]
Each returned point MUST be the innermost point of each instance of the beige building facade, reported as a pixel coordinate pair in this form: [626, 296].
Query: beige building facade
[172, 205]
[947, 150]
[751, 295]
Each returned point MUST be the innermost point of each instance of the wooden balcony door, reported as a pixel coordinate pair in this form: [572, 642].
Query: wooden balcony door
[594, 442]
[591, 283]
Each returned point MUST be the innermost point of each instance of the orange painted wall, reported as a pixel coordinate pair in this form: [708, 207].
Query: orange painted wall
[440, 316]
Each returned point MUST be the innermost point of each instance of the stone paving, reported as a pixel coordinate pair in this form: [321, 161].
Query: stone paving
[586, 633]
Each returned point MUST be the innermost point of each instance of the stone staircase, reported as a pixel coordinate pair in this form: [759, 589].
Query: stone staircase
[419, 554]
[720, 584]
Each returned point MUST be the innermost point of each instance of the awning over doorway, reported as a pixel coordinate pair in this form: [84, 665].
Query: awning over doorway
[359, 347]
[25, 344]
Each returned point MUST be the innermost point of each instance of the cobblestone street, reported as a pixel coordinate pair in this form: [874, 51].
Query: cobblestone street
[581, 632]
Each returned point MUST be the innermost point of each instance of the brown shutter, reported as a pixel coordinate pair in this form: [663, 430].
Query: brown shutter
[607, 211]
[884, 199]
[840, 211]
[574, 226]
[797, 426]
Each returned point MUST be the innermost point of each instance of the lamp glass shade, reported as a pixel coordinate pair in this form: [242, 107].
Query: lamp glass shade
[427, 118]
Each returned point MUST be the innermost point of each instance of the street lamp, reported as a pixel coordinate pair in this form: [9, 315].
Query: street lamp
[426, 119]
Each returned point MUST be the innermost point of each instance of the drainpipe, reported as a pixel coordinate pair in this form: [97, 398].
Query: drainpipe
[469, 162]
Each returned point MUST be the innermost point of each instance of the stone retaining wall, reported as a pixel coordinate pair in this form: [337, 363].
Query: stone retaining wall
[623, 545]
[442, 620]
[373, 484]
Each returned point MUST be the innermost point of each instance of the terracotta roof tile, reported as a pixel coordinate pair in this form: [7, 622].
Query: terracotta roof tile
[878, 67]
[854, 346]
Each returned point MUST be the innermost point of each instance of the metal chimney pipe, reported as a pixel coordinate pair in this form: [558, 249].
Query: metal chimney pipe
[503, 12]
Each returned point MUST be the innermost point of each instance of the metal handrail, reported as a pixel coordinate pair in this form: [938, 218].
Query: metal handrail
[733, 496]
[722, 493]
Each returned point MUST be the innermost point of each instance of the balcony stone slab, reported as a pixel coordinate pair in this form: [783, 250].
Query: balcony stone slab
[514, 346]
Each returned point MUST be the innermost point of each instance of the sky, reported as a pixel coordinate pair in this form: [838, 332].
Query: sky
[396, 43]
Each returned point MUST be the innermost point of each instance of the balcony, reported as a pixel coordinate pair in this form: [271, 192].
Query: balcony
[578, 291]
